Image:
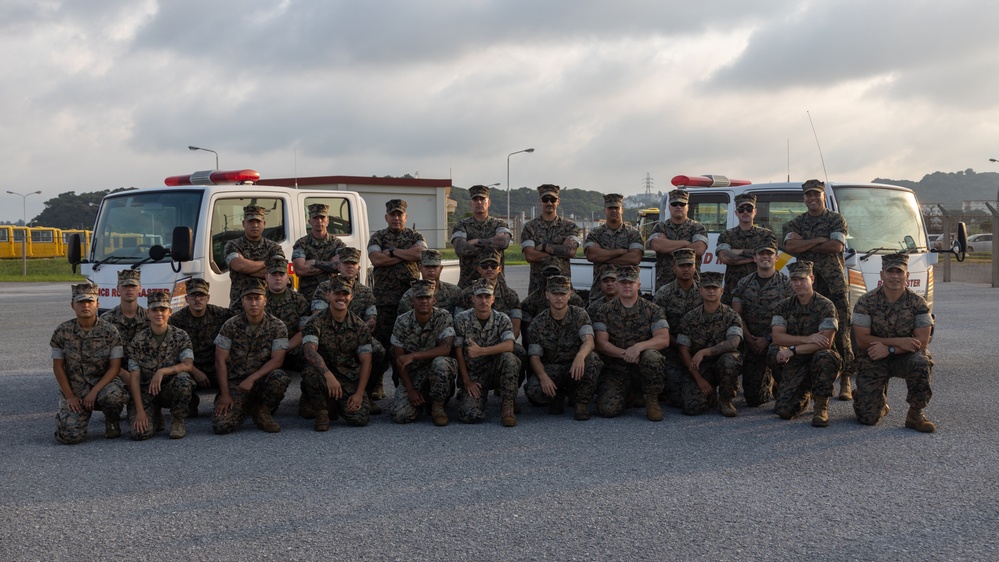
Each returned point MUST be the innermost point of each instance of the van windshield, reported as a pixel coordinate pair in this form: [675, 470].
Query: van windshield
[883, 218]
[131, 222]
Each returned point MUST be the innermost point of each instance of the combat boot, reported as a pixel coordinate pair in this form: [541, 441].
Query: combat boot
[845, 392]
[373, 409]
[112, 426]
[261, 416]
[378, 392]
[322, 422]
[508, 417]
[727, 409]
[158, 424]
[557, 406]
[820, 414]
[652, 409]
[177, 430]
[437, 413]
[192, 408]
[305, 410]
[582, 412]
[916, 420]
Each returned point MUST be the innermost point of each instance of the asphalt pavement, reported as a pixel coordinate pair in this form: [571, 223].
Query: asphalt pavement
[689, 488]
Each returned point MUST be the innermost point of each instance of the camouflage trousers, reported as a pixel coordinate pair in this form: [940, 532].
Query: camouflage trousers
[434, 380]
[757, 378]
[842, 343]
[317, 392]
[493, 372]
[384, 324]
[379, 365]
[722, 371]
[618, 379]
[674, 374]
[872, 383]
[267, 392]
[71, 427]
[579, 391]
[175, 394]
[803, 377]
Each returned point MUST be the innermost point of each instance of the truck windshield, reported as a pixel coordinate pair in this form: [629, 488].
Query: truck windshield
[130, 223]
[881, 218]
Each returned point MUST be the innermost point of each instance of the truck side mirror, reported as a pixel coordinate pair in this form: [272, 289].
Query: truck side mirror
[182, 246]
[962, 238]
[73, 253]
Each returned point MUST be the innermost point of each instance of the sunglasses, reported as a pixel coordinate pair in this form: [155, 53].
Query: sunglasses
[745, 209]
[677, 204]
[489, 265]
[549, 199]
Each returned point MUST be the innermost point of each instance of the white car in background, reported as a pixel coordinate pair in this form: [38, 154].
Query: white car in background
[980, 243]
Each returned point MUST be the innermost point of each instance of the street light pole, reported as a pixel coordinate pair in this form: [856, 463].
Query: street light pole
[207, 150]
[24, 238]
[508, 181]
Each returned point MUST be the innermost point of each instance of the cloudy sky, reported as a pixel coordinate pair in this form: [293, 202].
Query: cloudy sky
[104, 94]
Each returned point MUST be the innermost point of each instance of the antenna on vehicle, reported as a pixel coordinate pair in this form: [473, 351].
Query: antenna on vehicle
[788, 160]
[824, 172]
[296, 167]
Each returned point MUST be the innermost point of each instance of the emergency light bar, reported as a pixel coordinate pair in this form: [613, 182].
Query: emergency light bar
[707, 180]
[214, 177]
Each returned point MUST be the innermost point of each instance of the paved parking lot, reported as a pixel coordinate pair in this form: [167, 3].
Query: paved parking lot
[707, 487]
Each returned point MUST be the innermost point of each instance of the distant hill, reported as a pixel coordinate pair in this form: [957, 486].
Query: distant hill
[949, 189]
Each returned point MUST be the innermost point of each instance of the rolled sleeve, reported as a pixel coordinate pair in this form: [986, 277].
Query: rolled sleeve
[222, 342]
[862, 320]
[683, 339]
[829, 324]
[924, 320]
[279, 343]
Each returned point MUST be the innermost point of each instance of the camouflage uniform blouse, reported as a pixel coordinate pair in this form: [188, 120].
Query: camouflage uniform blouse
[558, 341]
[699, 330]
[339, 343]
[495, 330]
[471, 229]
[625, 237]
[805, 319]
[557, 232]
[829, 267]
[689, 230]
[627, 326]
[202, 332]
[892, 319]
[505, 300]
[737, 239]
[147, 355]
[260, 250]
[309, 247]
[537, 302]
[363, 303]
[448, 297]
[249, 351]
[411, 336]
[127, 327]
[290, 307]
[759, 300]
[391, 282]
[86, 354]
[676, 302]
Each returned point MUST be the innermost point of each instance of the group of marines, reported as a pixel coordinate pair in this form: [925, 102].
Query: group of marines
[786, 336]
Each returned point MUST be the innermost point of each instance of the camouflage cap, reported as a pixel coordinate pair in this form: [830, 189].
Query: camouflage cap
[745, 198]
[800, 268]
[679, 195]
[422, 288]
[349, 255]
[253, 212]
[712, 279]
[550, 268]
[766, 247]
[85, 292]
[548, 189]
[613, 200]
[128, 277]
[813, 185]
[254, 286]
[430, 258]
[482, 287]
[627, 273]
[559, 284]
[194, 286]
[684, 256]
[277, 265]
[478, 191]
[490, 256]
[318, 210]
[340, 284]
[394, 205]
[609, 273]
[896, 261]
[157, 299]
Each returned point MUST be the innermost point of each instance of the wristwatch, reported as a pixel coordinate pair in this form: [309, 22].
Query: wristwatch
[891, 350]
[794, 349]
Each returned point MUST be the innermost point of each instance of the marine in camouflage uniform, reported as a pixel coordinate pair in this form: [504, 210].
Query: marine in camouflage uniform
[803, 327]
[819, 236]
[128, 317]
[484, 343]
[709, 338]
[315, 254]
[478, 233]
[892, 326]
[246, 257]
[608, 286]
[548, 240]
[612, 244]
[288, 306]
[737, 246]
[630, 332]
[446, 296]
[756, 296]
[338, 349]
[676, 299]
[537, 302]
[86, 361]
[250, 350]
[676, 232]
[160, 358]
[201, 326]
[563, 361]
[421, 345]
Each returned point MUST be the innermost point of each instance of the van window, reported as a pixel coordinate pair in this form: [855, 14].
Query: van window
[41, 236]
[774, 210]
[709, 209]
[227, 224]
[339, 214]
[4, 235]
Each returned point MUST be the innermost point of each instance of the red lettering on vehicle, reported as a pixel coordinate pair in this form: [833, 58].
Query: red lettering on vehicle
[707, 258]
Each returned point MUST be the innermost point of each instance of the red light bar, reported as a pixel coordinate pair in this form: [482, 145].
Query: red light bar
[214, 177]
[706, 181]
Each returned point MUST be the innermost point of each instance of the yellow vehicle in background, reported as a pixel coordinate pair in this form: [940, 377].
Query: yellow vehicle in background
[646, 219]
